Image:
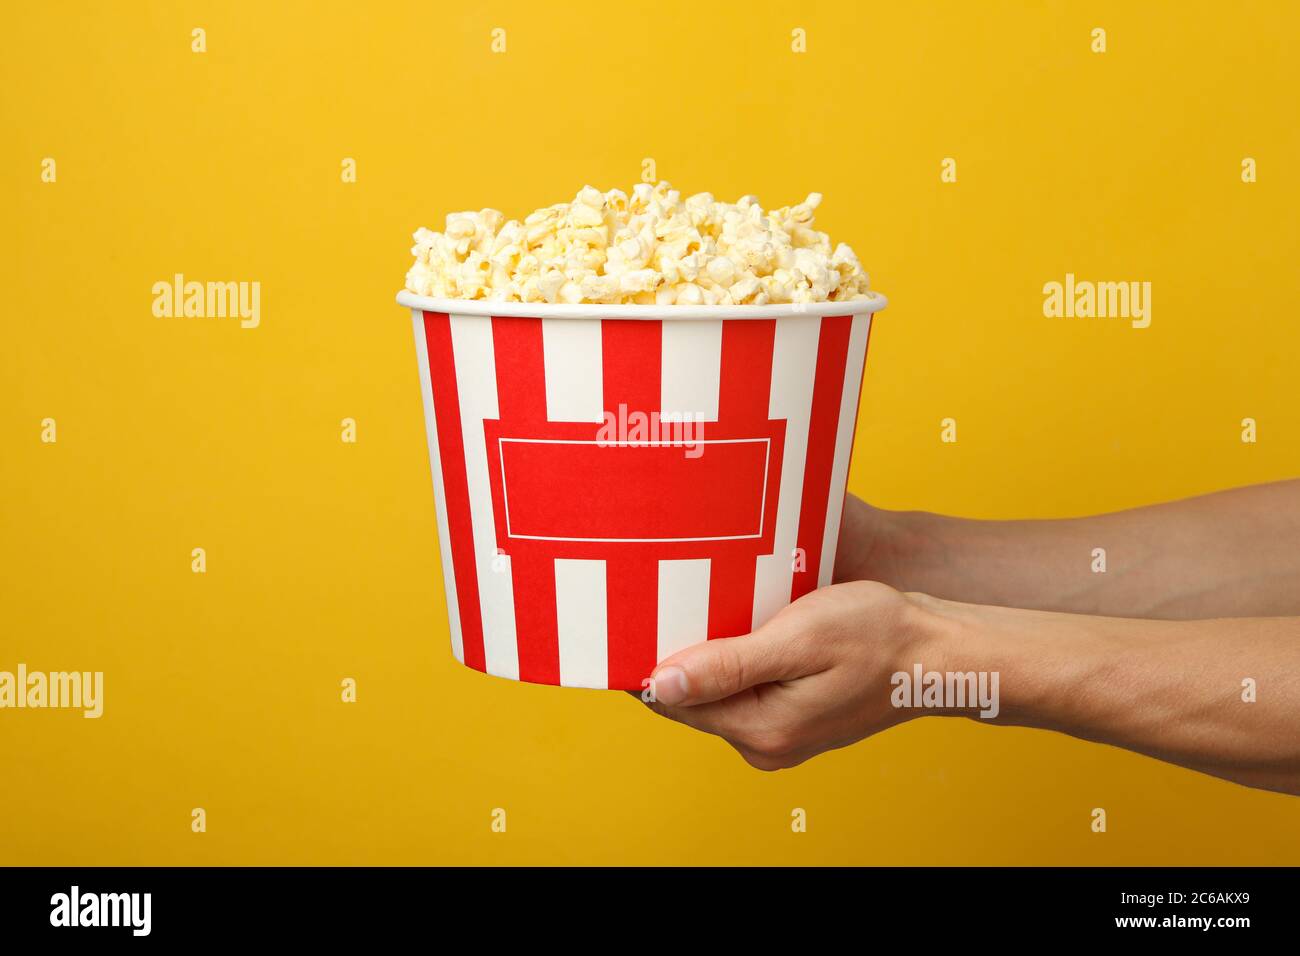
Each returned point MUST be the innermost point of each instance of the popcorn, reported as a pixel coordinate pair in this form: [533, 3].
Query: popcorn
[650, 247]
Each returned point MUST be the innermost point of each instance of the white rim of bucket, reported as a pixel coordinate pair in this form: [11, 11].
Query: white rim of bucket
[548, 310]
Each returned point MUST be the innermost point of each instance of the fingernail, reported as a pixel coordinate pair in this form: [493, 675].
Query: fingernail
[670, 685]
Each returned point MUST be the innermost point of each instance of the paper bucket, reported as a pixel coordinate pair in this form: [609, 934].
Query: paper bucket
[614, 483]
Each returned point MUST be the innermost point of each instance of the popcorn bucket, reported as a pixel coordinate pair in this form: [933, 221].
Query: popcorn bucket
[615, 483]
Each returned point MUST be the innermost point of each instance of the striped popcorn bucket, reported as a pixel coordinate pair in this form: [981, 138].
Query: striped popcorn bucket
[615, 483]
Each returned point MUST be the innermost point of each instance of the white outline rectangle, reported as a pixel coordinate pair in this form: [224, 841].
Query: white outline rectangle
[762, 512]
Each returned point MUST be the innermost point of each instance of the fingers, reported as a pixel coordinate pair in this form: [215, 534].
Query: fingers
[728, 719]
[749, 724]
[725, 666]
[733, 719]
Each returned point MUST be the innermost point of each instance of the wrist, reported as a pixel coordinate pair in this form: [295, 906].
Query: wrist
[1031, 662]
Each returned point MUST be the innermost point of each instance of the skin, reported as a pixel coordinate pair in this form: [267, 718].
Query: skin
[1151, 655]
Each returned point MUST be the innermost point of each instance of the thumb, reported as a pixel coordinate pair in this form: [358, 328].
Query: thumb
[724, 666]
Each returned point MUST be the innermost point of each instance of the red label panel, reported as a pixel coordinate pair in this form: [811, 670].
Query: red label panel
[560, 490]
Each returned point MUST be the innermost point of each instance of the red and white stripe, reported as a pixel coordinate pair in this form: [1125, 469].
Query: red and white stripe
[568, 562]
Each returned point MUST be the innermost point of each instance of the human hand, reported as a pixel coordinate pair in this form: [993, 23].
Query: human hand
[813, 678]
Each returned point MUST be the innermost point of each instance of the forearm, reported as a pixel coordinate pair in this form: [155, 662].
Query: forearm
[1219, 696]
[1227, 554]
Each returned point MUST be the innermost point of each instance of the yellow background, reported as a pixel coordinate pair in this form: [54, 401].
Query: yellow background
[222, 689]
